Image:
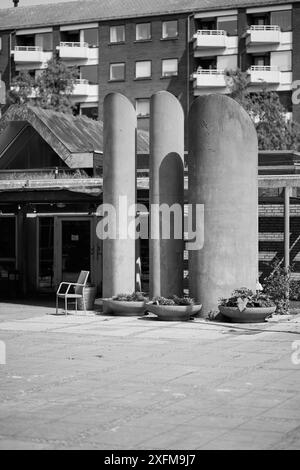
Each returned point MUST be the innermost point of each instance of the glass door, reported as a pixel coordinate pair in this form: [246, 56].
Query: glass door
[75, 248]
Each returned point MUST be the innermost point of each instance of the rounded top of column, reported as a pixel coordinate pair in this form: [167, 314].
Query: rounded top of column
[222, 107]
[165, 100]
[121, 103]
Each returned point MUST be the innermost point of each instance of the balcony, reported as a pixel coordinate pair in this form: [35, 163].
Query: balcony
[263, 34]
[264, 73]
[81, 87]
[73, 50]
[210, 39]
[209, 78]
[27, 54]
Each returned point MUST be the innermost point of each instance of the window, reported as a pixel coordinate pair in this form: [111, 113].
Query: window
[228, 24]
[0, 44]
[7, 245]
[282, 19]
[91, 36]
[117, 71]
[91, 112]
[169, 29]
[143, 31]
[117, 33]
[90, 73]
[143, 69]
[142, 106]
[169, 67]
[262, 60]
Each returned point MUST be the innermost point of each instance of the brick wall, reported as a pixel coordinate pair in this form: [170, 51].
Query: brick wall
[5, 60]
[271, 236]
[132, 51]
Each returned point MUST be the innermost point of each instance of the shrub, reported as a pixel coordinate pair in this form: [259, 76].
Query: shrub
[135, 297]
[243, 298]
[174, 300]
[277, 285]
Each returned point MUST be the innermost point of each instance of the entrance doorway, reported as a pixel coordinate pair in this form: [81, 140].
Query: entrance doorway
[67, 245]
[75, 248]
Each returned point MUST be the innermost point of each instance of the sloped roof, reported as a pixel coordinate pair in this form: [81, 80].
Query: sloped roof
[99, 10]
[73, 138]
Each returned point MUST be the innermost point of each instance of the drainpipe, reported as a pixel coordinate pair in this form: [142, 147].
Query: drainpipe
[188, 60]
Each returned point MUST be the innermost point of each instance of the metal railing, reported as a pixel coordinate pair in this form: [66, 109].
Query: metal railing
[73, 44]
[81, 81]
[264, 27]
[264, 68]
[28, 48]
[210, 72]
[211, 32]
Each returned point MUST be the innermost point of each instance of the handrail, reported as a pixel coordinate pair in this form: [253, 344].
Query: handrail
[73, 44]
[264, 68]
[265, 27]
[210, 72]
[81, 81]
[211, 32]
[28, 48]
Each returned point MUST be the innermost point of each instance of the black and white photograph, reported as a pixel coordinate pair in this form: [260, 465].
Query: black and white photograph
[150, 227]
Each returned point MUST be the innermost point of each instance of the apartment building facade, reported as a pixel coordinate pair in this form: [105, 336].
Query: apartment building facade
[181, 47]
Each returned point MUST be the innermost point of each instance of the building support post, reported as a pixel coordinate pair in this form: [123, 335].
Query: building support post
[287, 193]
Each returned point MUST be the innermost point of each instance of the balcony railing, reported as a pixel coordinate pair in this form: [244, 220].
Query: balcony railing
[211, 32]
[25, 54]
[73, 44]
[28, 48]
[210, 78]
[263, 34]
[264, 73]
[81, 87]
[264, 27]
[73, 50]
[210, 39]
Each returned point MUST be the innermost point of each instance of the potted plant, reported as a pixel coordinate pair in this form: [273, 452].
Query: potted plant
[125, 304]
[174, 308]
[245, 306]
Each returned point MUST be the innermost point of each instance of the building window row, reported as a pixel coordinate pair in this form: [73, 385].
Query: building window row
[143, 32]
[143, 69]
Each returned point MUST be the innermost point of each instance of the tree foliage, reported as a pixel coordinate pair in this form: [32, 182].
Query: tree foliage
[51, 89]
[274, 130]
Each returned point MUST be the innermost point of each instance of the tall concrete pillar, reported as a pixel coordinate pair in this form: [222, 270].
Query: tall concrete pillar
[119, 190]
[223, 161]
[166, 188]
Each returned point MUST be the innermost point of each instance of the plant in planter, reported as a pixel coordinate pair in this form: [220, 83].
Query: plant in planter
[125, 304]
[174, 308]
[245, 306]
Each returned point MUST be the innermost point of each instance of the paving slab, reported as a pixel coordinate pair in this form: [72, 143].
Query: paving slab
[101, 382]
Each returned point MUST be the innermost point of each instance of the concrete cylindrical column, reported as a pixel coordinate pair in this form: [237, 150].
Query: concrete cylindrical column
[166, 188]
[223, 160]
[119, 190]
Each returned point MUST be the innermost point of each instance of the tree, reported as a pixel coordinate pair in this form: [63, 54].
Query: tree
[52, 89]
[274, 130]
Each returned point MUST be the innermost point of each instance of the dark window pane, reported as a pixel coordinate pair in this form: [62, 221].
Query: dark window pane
[91, 112]
[282, 19]
[230, 26]
[7, 237]
[90, 73]
[91, 36]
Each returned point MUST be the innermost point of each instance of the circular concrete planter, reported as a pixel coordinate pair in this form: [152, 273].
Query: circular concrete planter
[123, 308]
[174, 312]
[249, 315]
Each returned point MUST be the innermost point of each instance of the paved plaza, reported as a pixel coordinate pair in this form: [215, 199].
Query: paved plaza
[103, 382]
